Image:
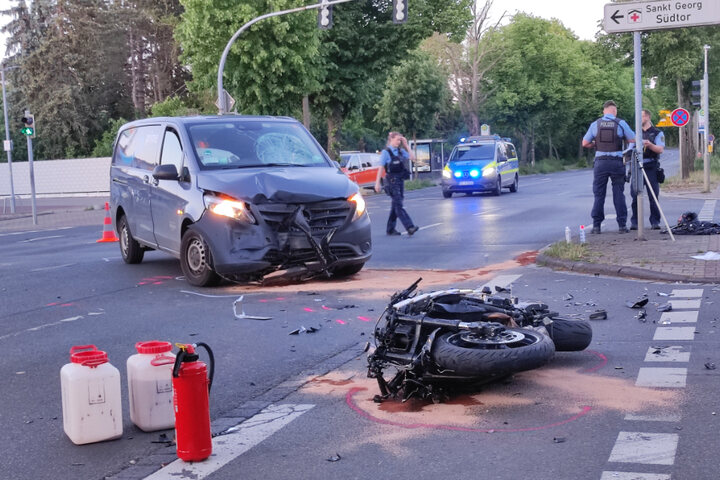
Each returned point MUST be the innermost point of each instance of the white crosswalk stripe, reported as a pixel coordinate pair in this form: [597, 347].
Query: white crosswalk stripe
[707, 212]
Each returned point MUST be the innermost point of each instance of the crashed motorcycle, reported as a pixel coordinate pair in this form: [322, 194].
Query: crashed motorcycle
[459, 338]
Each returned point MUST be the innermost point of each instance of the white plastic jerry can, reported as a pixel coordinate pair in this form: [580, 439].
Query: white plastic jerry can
[91, 401]
[150, 386]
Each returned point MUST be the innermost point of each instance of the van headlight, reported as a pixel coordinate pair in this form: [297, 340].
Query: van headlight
[228, 207]
[489, 172]
[359, 202]
[447, 173]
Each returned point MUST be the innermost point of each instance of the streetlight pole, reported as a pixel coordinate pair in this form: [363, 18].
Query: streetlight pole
[706, 122]
[7, 139]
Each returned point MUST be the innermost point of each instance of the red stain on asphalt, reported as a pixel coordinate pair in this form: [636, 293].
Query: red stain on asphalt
[417, 405]
[364, 319]
[308, 309]
[51, 304]
[262, 300]
[66, 304]
[326, 308]
[341, 322]
[350, 401]
[527, 258]
[603, 362]
[280, 299]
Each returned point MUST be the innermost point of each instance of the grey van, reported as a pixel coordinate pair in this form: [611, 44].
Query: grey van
[236, 197]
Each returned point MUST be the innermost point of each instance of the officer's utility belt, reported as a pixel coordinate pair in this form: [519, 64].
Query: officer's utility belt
[608, 157]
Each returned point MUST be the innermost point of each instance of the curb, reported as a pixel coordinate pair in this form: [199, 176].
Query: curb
[618, 271]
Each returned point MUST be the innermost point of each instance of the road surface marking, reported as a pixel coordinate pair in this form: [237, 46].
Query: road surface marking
[241, 438]
[32, 231]
[685, 304]
[661, 377]
[40, 327]
[707, 212]
[489, 210]
[206, 295]
[660, 417]
[689, 293]
[52, 268]
[633, 476]
[674, 333]
[501, 281]
[428, 226]
[42, 238]
[646, 448]
[679, 317]
[667, 354]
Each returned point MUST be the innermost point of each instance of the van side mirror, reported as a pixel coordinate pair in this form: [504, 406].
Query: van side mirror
[165, 172]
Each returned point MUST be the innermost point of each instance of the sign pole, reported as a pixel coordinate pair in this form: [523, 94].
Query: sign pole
[32, 173]
[706, 122]
[638, 181]
[8, 144]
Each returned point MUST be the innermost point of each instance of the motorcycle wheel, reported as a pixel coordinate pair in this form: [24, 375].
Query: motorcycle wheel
[523, 349]
[569, 335]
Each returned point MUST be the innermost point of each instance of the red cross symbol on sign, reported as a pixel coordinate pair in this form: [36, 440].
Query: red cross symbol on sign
[634, 16]
[679, 117]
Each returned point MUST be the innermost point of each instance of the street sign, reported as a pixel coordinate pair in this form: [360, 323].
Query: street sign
[680, 117]
[664, 119]
[655, 15]
[711, 138]
[7, 144]
[484, 129]
[229, 101]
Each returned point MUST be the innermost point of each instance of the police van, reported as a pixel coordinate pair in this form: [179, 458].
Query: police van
[486, 163]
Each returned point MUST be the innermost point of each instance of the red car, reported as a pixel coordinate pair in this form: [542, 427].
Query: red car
[362, 168]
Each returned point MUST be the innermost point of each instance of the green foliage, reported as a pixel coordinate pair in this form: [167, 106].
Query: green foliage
[270, 66]
[570, 251]
[104, 145]
[418, 183]
[414, 92]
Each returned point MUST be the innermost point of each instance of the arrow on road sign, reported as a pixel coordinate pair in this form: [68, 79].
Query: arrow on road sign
[615, 16]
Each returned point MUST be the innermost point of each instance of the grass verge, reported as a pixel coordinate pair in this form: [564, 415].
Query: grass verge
[569, 251]
[418, 183]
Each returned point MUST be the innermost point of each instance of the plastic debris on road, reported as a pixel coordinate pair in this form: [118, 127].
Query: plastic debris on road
[637, 303]
[665, 307]
[240, 314]
[707, 256]
[598, 315]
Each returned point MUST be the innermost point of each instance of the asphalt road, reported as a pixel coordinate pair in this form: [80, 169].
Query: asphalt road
[59, 288]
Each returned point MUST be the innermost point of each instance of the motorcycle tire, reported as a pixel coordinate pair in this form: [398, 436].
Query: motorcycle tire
[461, 358]
[569, 335]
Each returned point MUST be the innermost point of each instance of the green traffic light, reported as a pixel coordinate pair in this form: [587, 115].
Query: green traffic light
[28, 131]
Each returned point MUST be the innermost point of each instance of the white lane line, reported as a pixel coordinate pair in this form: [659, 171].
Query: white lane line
[52, 268]
[633, 476]
[707, 212]
[489, 210]
[501, 281]
[689, 293]
[679, 317]
[206, 295]
[685, 304]
[661, 377]
[659, 417]
[228, 447]
[42, 238]
[32, 231]
[674, 333]
[40, 327]
[673, 353]
[424, 227]
[646, 448]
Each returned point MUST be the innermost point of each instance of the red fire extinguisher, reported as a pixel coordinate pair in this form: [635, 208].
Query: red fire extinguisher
[191, 398]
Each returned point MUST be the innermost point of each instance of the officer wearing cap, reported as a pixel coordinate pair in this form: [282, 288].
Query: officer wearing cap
[606, 134]
[653, 146]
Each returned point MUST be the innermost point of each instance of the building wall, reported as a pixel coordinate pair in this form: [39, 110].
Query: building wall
[58, 177]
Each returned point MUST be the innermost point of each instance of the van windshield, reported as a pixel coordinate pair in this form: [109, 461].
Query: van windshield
[246, 144]
[475, 152]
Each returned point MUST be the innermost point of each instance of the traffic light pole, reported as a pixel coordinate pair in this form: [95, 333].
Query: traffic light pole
[7, 139]
[32, 174]
[222, 102]
[637, 166]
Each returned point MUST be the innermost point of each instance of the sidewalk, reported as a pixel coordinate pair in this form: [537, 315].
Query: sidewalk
[56, 213]
[656, 257]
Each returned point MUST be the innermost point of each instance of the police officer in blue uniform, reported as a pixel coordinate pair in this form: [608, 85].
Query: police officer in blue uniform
[606, 134]
[653, 146]
[394, 159]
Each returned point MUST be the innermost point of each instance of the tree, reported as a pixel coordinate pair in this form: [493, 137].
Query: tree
[270, 67]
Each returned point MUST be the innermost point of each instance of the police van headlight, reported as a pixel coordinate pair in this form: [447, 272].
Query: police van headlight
[359, 202]
[489, 172]
[447, 173]
[228, 207]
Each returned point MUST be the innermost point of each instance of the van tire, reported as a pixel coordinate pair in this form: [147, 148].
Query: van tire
[498, 188]
[447, 194]
[196, 260]
[514, 186]
[130, 250]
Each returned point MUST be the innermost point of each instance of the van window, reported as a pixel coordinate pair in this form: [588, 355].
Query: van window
[510, 150]
[138, 147]
[172, 153]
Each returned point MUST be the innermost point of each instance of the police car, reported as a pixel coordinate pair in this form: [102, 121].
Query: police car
[485, 163]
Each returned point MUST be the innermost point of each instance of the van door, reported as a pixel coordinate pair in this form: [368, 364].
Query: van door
[134, 159]
[502, 164]
[169, 197]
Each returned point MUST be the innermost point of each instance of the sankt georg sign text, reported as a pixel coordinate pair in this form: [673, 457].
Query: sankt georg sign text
[640, 16]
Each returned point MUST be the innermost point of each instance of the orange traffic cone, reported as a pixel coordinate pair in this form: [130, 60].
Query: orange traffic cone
[108, 232]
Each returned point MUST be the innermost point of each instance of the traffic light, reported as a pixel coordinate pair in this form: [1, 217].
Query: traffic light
[400, 10]
[325, 17]
[29, 125]
[695, 94]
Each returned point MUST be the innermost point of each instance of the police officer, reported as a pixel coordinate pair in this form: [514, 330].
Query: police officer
[606, 134]
[394, 159]
[653, 146]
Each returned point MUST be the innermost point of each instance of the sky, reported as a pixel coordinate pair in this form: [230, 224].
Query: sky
[580, 16]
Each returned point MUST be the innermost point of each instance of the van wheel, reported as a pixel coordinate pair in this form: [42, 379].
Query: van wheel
[447, 194]
[514, 186]
[130, 250]
[196, 261]
[348, 270]
[498, 188]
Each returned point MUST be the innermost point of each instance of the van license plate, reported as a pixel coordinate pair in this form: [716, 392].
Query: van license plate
[466, 182]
